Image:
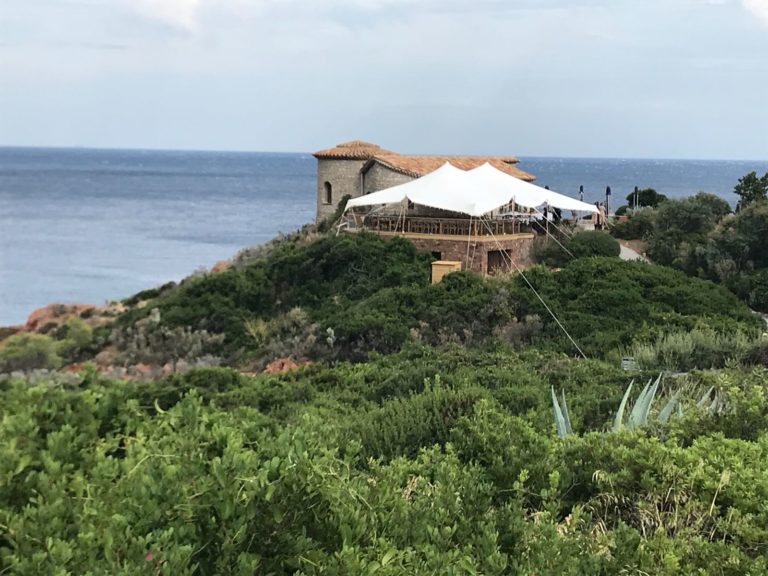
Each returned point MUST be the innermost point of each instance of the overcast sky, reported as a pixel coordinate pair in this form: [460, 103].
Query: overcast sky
[605, 78]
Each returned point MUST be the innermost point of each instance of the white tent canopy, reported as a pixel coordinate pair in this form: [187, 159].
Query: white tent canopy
[524, 193]
[499, 185]
[447, 188]
[475, 192]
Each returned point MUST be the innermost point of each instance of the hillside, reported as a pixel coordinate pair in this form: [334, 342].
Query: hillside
[419, 438]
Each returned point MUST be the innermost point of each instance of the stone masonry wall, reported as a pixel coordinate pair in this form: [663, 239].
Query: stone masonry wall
[380, 177]
[456, 250]
[344, 177]
[519, 249]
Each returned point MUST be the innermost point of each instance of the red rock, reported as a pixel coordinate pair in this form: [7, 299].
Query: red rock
[54, 313]
[76, 367]
[221, 266]
[284, 365]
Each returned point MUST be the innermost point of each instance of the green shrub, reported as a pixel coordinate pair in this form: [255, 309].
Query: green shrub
[558, 253]
[462, 308]
[331, 220]
[736, 255]
[340, 269]
[647, 197]
[404, 425]
[28, 351]
[593, 243]
[693, 349]
[606, 304]
[359, 469]
[638, 226]
[75, 338]
[751, 189]
[682, 225]
[148, 294]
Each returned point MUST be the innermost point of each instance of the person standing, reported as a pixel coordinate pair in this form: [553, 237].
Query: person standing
[597, 217]
[600, 216]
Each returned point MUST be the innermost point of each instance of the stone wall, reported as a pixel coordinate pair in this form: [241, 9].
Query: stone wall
[476, 258]
[379, 177]
[344, 178]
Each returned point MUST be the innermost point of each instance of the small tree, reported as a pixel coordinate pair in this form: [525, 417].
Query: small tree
[751, 189]
[647, 197]
[638, 225]
[75, 338]
[29, 352]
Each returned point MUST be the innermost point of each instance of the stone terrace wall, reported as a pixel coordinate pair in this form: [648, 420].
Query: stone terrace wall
[519, 249]
[456, 250]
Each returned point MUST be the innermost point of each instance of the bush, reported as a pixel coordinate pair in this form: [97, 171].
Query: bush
[289, 335]
[735, 254]
[682, 225]
[75, 339]
[330, 271]
[462, 308]
[580, 245]
[593, 243]
[148, 341]
[694, 349]
[607, 304]
[28, 351]
[638, 226]
[751, 189]
[647, 197]
[402, 426]
[148, 294]
[328, 223]
[361, 469]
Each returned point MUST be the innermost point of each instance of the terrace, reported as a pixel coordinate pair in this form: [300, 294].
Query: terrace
[441, 226]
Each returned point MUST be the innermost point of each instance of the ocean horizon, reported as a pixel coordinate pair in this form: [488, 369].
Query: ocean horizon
[85, 225]
[88, 148]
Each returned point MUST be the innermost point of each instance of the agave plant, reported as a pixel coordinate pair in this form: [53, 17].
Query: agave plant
[638, 415]
[562, 417]
[712, 403]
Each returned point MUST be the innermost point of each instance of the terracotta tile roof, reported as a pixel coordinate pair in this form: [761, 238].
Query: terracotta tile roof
[354, 150]
[417, 166]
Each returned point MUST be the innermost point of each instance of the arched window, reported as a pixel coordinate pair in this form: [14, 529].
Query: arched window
[328, 199]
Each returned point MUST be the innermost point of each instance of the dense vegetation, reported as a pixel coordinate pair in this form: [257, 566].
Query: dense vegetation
[421, 437]
[701, 237]
[350, 296]
[562, 246]
[431, 461]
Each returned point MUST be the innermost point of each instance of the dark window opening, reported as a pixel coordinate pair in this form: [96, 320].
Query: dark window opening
[499, 261]
[328, 192]
[437, 255]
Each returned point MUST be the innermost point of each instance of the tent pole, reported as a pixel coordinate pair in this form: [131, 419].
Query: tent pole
[469, 240]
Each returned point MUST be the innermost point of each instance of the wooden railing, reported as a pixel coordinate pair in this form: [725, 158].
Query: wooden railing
[444, 226]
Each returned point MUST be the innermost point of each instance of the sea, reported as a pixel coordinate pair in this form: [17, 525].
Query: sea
[90, 226]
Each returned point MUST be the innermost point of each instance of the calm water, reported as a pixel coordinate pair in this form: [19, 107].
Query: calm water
[95, 225]
[91, 225]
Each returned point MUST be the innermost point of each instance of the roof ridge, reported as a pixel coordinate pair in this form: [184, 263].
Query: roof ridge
[419, 165]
